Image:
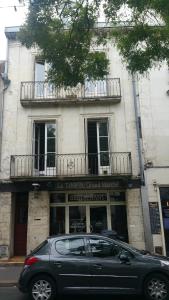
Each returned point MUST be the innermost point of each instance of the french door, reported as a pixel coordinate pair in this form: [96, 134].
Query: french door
[45, 148]
[98, 147]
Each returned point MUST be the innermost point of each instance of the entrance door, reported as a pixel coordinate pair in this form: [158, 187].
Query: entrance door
[44, 148]
[98, 147]
[164, 195]
[20, 228]
[98, 218]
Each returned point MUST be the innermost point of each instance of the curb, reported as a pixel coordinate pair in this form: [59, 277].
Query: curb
[8, 283]
[11, 264]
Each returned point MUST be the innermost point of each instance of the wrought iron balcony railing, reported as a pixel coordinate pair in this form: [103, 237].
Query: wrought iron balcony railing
[41, 91]
[67, 165]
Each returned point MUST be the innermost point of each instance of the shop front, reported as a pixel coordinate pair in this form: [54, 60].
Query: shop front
[93, 211]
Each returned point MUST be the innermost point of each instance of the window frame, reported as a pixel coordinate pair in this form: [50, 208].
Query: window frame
[123, 249]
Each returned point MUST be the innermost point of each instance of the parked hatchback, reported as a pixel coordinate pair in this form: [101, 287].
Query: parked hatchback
[88, 263]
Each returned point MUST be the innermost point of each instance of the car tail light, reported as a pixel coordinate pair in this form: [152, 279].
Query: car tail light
[29, 261]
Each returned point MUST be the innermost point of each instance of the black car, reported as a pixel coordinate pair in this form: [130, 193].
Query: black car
[88, 263]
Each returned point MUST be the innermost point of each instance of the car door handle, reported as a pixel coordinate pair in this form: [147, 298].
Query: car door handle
[58, 264]
[97, 266]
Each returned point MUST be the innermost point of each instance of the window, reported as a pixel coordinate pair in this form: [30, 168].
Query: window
[98, 146]
[103, 248]
[73, 247]
[44, 146]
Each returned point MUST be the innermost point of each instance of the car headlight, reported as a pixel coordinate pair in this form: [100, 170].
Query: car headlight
[164, 263]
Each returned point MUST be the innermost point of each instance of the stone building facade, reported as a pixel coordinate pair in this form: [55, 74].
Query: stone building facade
[70, 158]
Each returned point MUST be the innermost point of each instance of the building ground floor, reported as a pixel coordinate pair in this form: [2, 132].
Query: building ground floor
[157, 184]
[27, 217]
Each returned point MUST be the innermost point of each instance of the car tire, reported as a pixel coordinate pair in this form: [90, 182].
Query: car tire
[44, 286]
[156, 286]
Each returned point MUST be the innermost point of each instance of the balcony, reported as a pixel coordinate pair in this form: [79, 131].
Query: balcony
[71, 165]
[44, 93]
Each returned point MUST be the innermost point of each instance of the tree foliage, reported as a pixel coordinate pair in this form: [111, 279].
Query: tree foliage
[67, 34]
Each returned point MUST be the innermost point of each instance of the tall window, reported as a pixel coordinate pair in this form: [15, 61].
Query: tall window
[44, 145]
[98, 145]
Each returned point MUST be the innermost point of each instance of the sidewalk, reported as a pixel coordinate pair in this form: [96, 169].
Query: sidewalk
[10, 271]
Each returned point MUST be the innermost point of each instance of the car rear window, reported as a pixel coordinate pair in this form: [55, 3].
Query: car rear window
[42, 249]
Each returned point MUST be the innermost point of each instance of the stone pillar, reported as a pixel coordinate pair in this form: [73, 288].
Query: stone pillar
[5, 224]
[135, 218]
[38, 219]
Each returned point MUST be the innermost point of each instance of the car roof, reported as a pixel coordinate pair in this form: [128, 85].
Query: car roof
[71, 235]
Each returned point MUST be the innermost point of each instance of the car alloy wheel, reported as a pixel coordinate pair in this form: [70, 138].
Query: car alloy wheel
[156, 287]
[42, 288]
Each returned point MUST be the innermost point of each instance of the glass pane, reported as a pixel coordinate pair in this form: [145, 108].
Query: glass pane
[57, 220]
[102, 248]
[119, 221]
[103, 144]
[103, 129]
[51, 130]
[57, 198]
[39, 71]
[51, 145]
[104, 159]
[98, 219]
[77, 219]
[73, 247]
[50, 160]
[117, 196]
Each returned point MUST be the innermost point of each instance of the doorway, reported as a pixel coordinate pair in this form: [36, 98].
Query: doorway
[20, 224]
[98, 218]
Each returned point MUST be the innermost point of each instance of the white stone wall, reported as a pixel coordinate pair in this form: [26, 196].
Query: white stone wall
[135, 218]
[18, 121]
[5, 224]
[154, 109]
[38, 219]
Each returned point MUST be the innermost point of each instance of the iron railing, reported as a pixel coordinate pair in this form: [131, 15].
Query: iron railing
[41, 90]
[53, 165]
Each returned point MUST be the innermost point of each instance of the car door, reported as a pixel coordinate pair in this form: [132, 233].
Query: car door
[70, 264]
[108, 272]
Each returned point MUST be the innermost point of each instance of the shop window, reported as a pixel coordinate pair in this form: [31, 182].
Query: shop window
[119, 221]
[57, 198]
[77, 219]
[57, 220]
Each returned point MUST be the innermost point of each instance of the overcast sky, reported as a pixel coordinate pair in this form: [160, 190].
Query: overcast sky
[9, 17]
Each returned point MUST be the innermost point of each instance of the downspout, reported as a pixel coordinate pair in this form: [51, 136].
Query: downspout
[144, 191]
[6, 83]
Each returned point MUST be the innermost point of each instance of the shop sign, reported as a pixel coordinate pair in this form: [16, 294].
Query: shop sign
[87, 185]
[3, 251]
[155, 218]
[77, 225]
[88, 197]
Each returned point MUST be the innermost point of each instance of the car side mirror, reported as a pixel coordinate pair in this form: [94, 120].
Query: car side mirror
[124, 258]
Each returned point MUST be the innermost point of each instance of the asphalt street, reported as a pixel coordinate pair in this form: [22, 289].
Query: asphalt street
[12, 293]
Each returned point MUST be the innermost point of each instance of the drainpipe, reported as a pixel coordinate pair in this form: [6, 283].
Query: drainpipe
[6, 83]
[144, 191]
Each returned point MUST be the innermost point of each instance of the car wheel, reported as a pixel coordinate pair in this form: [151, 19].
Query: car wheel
[156, 287]
[42, 287]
